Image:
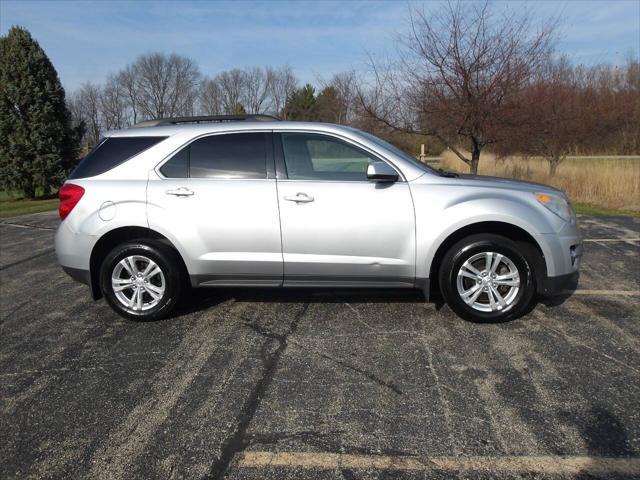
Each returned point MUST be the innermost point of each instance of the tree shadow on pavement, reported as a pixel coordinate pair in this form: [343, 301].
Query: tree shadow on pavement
[605, 438]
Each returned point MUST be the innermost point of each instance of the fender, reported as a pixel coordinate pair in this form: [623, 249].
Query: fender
[435, 223]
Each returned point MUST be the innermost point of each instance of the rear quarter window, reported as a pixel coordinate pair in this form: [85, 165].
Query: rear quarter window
[110, 153]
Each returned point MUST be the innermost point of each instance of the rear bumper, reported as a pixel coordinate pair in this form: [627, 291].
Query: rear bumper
[73, 249]
[74, 252]
[78, 274]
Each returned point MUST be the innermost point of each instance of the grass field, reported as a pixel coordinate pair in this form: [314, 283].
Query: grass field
[12, 204]
[597, 185]
[11, 208]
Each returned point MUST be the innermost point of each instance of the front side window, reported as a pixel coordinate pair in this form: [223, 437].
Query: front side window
[311, 156]
[232, 155]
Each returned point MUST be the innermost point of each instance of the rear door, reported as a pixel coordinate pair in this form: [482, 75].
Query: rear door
[338, 227]
[216, 199]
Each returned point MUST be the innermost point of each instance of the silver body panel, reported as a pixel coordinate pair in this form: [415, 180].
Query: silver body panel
[352, 233]
[229, 230]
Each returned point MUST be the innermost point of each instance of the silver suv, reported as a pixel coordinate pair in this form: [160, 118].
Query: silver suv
[250, 201]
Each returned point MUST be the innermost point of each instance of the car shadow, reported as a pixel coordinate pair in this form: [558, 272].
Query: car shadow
[198, 299]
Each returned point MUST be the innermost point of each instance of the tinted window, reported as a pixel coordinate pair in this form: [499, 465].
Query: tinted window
[177, 166]
[318, 157]
[110, 153]
[237, 155]
[397, 151]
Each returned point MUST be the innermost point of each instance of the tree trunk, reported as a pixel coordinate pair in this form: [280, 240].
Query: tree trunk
[28, 190]
[475, 159]
[553, 165]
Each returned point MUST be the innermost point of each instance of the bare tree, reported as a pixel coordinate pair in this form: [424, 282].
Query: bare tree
[166, 86]
[255, 90]
[281, 83]
[574, 110]
[211, 97]
[231, 85]
[346, 87]
[85, 108]
[630, 98]
[127, 79]
[113, 104]
[460, 77]
[558, 120]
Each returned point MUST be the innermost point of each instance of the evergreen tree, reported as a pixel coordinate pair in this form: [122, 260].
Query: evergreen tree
[302, 105]
[330, 105]
[38, 145]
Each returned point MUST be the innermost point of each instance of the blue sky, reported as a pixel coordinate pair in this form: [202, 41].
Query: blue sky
[87, 40]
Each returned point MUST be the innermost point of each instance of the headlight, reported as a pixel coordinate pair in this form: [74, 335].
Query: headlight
[557, 204]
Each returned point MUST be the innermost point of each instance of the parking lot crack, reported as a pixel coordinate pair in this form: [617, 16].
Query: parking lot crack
[238, 440]
[370, 375]
[26, 225]
[33, 257]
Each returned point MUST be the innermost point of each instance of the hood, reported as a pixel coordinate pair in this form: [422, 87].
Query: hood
[499, 182]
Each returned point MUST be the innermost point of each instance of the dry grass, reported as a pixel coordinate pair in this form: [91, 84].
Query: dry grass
[601, 182]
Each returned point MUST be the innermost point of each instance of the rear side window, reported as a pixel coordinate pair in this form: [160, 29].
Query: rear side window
[110, 153]
[178, 166]
[234, 155]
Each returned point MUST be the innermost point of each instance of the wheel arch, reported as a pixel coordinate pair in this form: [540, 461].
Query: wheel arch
[115, 237]
[524, 239]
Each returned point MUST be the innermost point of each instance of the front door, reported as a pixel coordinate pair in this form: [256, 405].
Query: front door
[215, 200]
[338, 227]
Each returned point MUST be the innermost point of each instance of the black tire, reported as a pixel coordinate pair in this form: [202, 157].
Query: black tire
[471, 247]
[171, 278]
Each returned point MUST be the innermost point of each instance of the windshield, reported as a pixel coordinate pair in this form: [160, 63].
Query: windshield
[397, 151]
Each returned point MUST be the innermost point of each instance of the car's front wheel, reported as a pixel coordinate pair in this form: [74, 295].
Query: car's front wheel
[486, 278]
[141, 280]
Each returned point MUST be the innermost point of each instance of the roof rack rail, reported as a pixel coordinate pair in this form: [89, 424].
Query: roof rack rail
[208, 118]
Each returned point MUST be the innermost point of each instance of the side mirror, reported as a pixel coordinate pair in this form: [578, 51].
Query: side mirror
[381, 172]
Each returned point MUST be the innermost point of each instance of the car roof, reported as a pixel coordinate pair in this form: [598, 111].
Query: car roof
[196, 129]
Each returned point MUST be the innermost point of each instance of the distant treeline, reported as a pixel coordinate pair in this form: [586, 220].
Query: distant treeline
[561, 110]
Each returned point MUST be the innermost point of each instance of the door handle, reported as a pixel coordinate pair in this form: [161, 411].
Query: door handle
[300, 197]
[180, 192]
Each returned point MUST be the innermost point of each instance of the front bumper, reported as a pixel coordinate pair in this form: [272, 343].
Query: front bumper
[563, 256]
[563, 284]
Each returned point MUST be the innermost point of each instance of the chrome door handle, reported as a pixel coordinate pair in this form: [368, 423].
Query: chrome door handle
[180, 192]
[300, 197]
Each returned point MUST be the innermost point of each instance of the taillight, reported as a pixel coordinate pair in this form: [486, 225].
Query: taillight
[69, 196]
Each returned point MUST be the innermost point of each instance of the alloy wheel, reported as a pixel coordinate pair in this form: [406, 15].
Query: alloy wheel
[138, 283]
[488, 282]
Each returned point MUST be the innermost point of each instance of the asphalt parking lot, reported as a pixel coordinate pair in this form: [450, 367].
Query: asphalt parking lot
[318, 384]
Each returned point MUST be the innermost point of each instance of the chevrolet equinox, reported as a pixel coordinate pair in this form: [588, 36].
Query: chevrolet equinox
[250, 201]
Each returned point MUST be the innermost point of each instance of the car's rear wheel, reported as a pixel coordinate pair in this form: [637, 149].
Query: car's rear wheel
[141, 280]
[486, 278]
